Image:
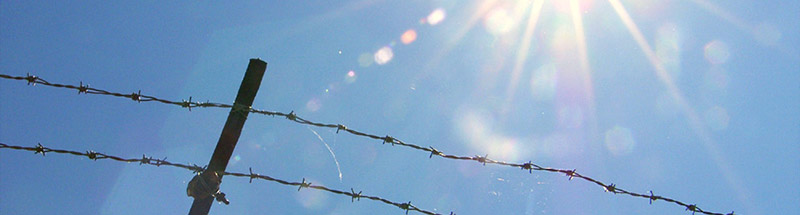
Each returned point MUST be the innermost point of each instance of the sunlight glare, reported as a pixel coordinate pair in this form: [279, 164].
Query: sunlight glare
[570, 117]
[311, 199]
[666, 106]
[661, 72]
[543, 82]
[499, 22]
[383, 55]
[455, 37]
[716, 52]
[350, 77]
[580, 36]
[235, 160]
[365, 59]
[619, 141]
[523, 51]
[714, 9]
[694, 120]
[476, 128]
[717, 118]
[409, 36]
[716, 81]
[668, 49]
[767, 34]
[313, 105]
[567, 6]
[583, 56]
[435, 17]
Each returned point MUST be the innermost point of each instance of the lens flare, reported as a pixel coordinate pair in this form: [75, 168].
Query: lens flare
[717, 118]
[668, 49]
[365, 59]
[667, 106]
[409, 36]
[383, 55]
[311, 199]
[570, 117]
[436, 17]
[313, 105]
[716, 81]
[476, 127]
[619, 141]
[767, 34]
[543, 83]
[499, 22]
[716, 52]
[524, 49]
[350, 77]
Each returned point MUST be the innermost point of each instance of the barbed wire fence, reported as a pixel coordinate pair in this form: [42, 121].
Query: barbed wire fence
[291, 116]
[92, 155]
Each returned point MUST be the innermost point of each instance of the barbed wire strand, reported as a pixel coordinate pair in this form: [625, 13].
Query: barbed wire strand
[92, 155]
[135, 96]
[291, 116]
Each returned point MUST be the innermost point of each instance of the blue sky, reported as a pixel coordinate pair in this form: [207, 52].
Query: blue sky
[696, 100]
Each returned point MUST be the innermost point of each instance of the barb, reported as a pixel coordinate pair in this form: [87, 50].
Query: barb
[529, 166]
[136, 96]
[39, 149]
[291, 116]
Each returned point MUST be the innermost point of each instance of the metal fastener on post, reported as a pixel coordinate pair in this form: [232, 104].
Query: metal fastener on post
[231, 131]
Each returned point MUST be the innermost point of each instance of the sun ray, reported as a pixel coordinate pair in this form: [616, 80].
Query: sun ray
[580, 35]
[727, 16]
[480, 11]
[694, 121]
[585, 69]
[765, 34]
[522, 52]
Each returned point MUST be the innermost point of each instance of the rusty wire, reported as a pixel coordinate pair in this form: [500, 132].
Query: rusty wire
[291, 116]
[92, 155]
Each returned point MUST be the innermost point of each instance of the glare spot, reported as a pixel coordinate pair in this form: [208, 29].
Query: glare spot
[563, 6]
[716, 52]
[365, 59]
[619, 141]
[668, 49]
[716, 80]
[409, 36]
[717, 118]
[436, 17]
[563, 42]
[503, 148]
[767, 34]
[543, 82]
[236, 159]
[498, 22]
[666, 105]
[350, 77]
[340, 51]
[560, 145]
[570, 117]
[311, 199]
[383, 55]
[476, 128]
[313, 105]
